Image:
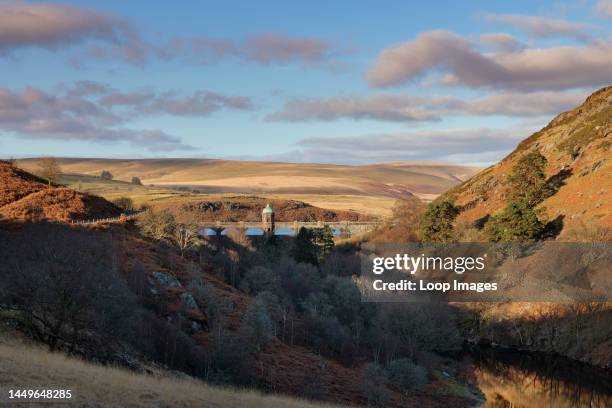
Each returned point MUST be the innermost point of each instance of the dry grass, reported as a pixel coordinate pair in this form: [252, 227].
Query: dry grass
[370, 189]
[100, 386]
[389, 179]
[379, 206]
[113, 189]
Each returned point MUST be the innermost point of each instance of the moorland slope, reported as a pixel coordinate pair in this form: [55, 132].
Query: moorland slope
[24, 196]
[577, 147]
[213, 176]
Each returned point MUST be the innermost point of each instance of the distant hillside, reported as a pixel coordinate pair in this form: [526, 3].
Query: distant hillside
[26, 197]
[213, 176]
[577, 146]
[248, 208]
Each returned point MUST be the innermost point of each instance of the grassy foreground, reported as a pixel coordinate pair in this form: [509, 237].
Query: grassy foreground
[95, 385]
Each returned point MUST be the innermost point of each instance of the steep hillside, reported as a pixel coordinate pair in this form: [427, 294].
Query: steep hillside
[282, 365]
[24, 196]
[577, 146]
[179, 315]
[212, 176]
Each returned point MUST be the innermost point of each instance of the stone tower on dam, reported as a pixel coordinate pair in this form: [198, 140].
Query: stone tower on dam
[267, 219]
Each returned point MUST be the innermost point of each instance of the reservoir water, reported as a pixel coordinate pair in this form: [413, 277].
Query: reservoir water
[509, 378]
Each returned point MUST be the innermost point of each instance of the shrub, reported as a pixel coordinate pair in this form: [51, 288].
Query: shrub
[136, 181]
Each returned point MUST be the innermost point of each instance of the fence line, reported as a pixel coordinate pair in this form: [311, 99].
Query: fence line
[108, 220]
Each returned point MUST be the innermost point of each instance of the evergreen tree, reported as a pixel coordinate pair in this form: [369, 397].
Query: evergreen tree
[323, 240]
[437, 223]
[303, 249]
[516, 223]
[528, 180]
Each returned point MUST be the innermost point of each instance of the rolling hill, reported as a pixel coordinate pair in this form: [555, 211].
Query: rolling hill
[214, 176]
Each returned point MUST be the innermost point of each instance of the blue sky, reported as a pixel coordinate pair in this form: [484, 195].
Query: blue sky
[346, 82]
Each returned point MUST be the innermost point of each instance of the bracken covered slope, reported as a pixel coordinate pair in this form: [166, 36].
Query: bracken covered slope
[577, 146]
[16, 183]
[24, 196]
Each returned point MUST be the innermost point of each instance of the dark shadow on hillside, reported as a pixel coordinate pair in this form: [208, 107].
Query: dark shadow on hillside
[553, 228]
[556, 181]
[480, 222]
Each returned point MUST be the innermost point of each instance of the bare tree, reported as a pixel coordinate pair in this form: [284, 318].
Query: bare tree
[49, 169]
[65, 291]
[186, 237]
[159, 226]
[125, 203]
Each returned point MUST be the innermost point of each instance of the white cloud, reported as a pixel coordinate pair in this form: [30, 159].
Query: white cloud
[526, 70]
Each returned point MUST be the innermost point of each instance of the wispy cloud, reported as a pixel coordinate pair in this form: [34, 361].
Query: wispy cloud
[394, 108]
[501, 42]
[263, 49]
[102, 36]
[542, 27]
[465, 145]
[604, 8]
[409, 108]
[463, 64]
[94, 112]
[198, 104]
